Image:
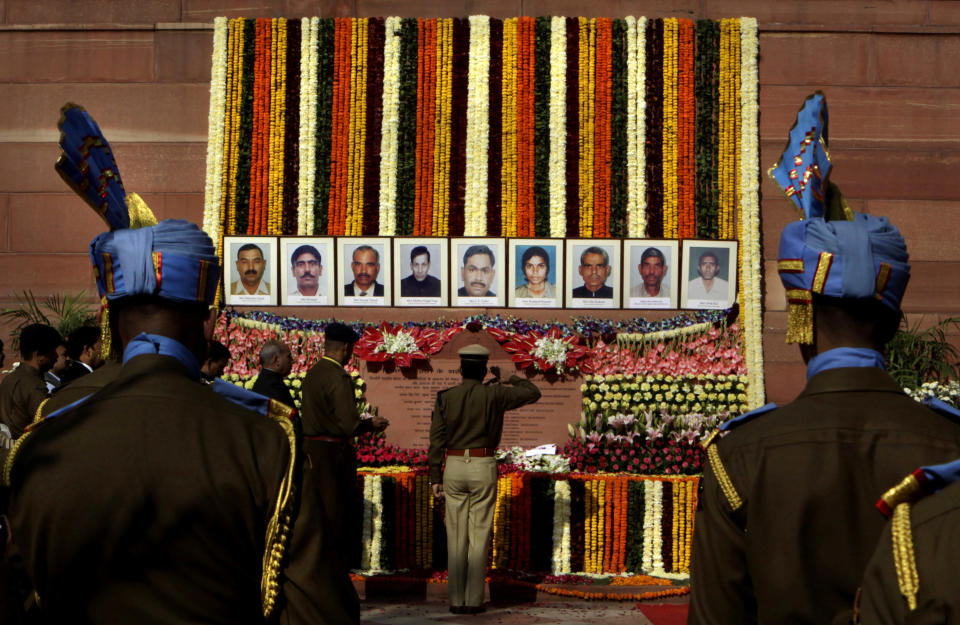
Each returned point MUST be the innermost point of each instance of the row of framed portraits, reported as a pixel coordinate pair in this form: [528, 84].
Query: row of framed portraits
[479, 272]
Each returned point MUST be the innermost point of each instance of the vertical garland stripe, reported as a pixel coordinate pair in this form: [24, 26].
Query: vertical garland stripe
[458, 129]
[327, 115]
[291, 120]
[729, 145]
[686, 179]
[245, 140]
[706, 68]
[358, 127]
[307, 146]
[573, 126]
[618, 131]
[278, 104]
[669, 140]
[216, 124]
[508, 136]
[542, 117]
[526, 125]
[751, 295]
[228, 206]
[340, 127]
[586, 104]
[637, 173]
[478, 128]
[495, 153]
[389, 136]
[442, 129]
[426, 97]
[654, 130]
[601, 96]
[558, 132]
[408, 139]
[374, 125]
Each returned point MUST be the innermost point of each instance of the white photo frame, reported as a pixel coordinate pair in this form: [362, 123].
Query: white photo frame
[420, 280]
[378, 264]
[308, 263]
[579, 293]
[543, 269]
[237, 291]
[721, 293]
[489, 275]
[660, 259]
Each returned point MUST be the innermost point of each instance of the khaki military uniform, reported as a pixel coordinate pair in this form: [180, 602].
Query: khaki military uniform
[469, 419]
[935, 531]
[158, 501]
[330, 418]
[803, 480]
[81, 387]
[21, 393]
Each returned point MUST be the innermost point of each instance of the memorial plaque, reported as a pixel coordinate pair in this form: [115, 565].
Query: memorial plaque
[406, 396]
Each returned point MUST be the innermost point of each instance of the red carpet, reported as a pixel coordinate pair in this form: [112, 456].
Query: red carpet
[665, 614]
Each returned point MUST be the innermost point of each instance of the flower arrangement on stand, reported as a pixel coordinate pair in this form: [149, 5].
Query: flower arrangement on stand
[548, 351]
[401, 345]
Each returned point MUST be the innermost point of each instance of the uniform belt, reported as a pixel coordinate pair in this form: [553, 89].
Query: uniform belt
[476, 452]
[327, 439]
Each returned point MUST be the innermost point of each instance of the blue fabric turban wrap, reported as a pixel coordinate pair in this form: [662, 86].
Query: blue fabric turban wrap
[174, 260]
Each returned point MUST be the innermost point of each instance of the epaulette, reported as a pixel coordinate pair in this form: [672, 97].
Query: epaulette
[713, 456]
[942, 407]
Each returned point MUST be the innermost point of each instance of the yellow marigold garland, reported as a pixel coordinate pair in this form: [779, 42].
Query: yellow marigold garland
[501, 524]
[218, 133]
[278, 83]
[670, 197]
[729, 123]
[358, 127]
[508, 179]
[228, 206]
[442, 135]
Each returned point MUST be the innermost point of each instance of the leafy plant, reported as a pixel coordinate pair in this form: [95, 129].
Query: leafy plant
[915, 356]
[66, 313]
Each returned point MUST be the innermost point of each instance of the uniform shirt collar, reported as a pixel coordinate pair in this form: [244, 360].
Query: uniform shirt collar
[145, 343]
[845, 357]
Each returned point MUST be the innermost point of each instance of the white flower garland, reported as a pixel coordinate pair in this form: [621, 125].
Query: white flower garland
[636, 127]
[399, 343]
[652, 526]
[558, 127]
[751, 296]
[376, 506]
[308, 124]
[367, 523]
[390, 137]
[213, 190]
[478, 128]
[561, 528]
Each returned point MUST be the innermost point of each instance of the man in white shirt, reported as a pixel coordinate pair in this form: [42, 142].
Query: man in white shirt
[250, 266]
[652, 269]
[708, 285]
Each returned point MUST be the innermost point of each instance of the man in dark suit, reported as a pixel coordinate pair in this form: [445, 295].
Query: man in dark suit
[420, 283]
[594, 269]
[787, 522]
[276, 363]
[365, 267]
[83, 348]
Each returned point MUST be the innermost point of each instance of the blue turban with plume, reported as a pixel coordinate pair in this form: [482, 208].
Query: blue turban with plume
[833, 251]
[173, 259]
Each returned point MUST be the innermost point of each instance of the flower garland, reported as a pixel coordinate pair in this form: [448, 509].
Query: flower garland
[751, 297]
[729, 143]
[686, 172]
[357, 137]
[389, 138]
[278, 87]
[478, 127]
[654, 128]
[560, 561]
[308, 131]
[442, 133]
[602, 98]
[408, 139]
[326, 79]
[495, 151]
[587, 76]
[526, 123]
[558, 135]
[213, 189]
[227, 217]
[670, 128]
[652, 519]
[617, 223]
[508, 137]
[426, 94]
[706, 69]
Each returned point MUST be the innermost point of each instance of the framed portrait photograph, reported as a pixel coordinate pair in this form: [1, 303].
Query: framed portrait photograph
[536, 273]
[419, 274]
[363, 271]
[650, 270]
[593, 273]
[477, 271]
[251, 269]
[307, 275]
[709, 274]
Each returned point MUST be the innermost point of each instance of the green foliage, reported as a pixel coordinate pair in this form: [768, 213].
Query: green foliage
[915, 356]
[66, 313]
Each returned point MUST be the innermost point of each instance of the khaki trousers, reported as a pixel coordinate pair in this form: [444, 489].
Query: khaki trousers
[470, 489]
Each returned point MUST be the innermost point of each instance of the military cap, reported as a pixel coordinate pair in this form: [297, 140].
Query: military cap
[474, 352]
[833, 251]
[341, 332]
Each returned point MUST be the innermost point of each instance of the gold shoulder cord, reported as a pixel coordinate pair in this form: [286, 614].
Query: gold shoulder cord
[38, 415]
[726, 485]
[278, 530]
[904, 558]
[11, 458]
